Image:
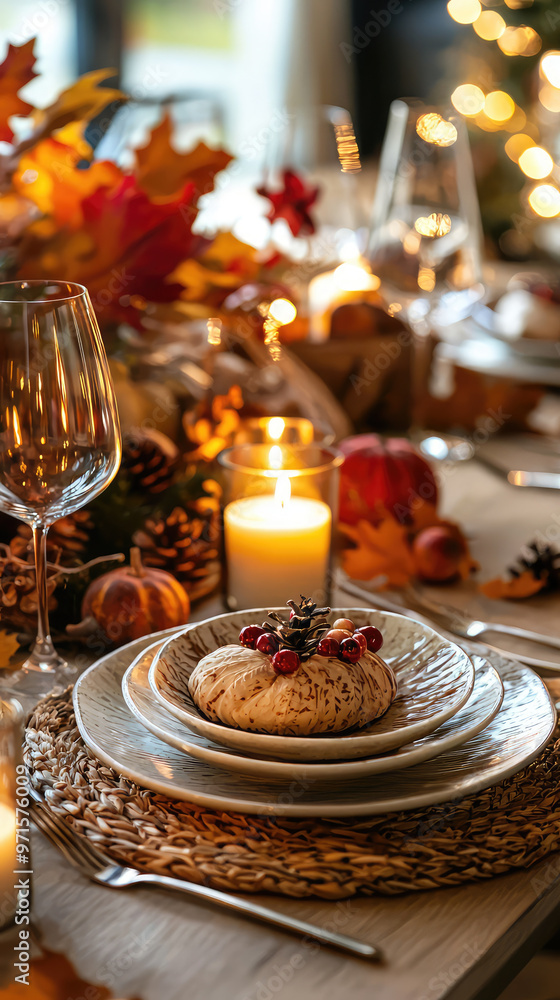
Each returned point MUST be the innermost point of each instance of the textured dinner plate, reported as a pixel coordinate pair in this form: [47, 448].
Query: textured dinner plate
[435, 678]
[480, 709]
[514, 738]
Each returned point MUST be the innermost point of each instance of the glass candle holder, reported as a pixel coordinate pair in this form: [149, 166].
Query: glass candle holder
[282, 430]
[280, 510]
[11, 772]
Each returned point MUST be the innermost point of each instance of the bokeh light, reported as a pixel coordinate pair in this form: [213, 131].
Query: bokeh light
[355, 278]
[535, 162]
[282, 311]
[499, 106]
[550, 67]
[549, 97]
[544, 199]
[426, 279]
[517, 144]
[522, 41]
[435, 224]
[431, 127]
[490, 25]
[468, 99]
[464, 11]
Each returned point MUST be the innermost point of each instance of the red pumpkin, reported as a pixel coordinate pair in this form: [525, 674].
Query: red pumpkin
[389, 472]
[134, 600]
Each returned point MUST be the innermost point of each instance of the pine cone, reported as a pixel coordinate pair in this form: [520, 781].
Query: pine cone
[185, 544]
[305, 628]
[150, 459]
[18, 594]
[67, 539]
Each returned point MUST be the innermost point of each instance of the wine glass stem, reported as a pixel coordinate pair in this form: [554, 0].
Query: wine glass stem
[43, 653]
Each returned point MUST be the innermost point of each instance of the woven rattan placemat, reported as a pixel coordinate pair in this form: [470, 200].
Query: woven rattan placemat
[511, 825]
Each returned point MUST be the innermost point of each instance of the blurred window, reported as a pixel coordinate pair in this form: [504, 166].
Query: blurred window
[53, 22]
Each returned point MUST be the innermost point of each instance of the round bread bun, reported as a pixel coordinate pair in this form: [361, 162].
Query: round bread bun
[240, 688]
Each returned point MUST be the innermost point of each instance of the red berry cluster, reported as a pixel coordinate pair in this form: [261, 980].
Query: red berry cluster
[349, 643]
[343, 641]
[284, 661]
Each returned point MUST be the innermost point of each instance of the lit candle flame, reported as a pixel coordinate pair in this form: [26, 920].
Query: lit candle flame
[283, 491]
[276, 427]
[275, 457]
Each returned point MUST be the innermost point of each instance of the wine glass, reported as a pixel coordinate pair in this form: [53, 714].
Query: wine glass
[59, 432]
[426, 236]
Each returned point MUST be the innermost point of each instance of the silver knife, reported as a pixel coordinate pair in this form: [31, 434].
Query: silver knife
[542, 480]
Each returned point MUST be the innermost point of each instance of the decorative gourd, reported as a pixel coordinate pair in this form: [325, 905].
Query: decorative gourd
[386, 472]
[134, 600]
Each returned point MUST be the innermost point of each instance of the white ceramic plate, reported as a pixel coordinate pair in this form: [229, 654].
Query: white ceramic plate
[514, 738]
[435, 678]
[480, 709]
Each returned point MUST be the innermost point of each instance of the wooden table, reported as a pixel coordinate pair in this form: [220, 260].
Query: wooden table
[457, 944]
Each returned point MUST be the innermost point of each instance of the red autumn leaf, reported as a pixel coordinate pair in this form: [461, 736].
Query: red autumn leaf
[127, 247]
[16, 70]
[292, 203]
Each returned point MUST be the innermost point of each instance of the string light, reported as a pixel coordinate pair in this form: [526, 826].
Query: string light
[464, 11]
[550, 67]
[549, 97]
[499, 106]
[522, 41]
[432, 128]
[468, 99]
[535, 162]
[426, 279]
[517, 144]
[489, 25]
[544, 199]
[214, 327]
[435, 224]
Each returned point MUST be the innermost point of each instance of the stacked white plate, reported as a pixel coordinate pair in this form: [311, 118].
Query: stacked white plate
[458, 724]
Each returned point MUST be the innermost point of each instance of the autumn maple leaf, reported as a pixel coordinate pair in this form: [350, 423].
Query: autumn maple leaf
[162, 171]
[16, 70]
[380, 551]
[292, 203]
[126, 248]
[50, 177]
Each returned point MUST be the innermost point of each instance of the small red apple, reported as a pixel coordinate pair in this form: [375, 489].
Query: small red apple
[438, 553]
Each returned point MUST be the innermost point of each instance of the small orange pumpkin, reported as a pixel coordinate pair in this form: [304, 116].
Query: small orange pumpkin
[134, 600]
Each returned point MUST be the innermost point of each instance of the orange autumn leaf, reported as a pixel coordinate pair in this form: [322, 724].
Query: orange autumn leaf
[519, 587]
[162, 171]
[49, 175]
[16, 70]
[52, 977]
[381, 550]
[198, 281]
[83, 100]
[228, 252]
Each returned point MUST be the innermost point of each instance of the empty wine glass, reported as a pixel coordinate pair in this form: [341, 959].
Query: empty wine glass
[426, 236]
[59, 432]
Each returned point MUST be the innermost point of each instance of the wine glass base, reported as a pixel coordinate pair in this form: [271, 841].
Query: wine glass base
[32, 683]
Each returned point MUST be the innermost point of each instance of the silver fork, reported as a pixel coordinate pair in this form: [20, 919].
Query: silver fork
[99, 868]
[453, 620]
